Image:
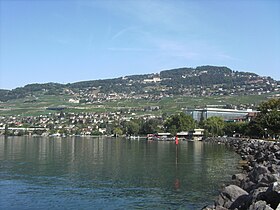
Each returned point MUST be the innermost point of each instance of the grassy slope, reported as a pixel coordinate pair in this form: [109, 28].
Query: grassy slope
[168, 105]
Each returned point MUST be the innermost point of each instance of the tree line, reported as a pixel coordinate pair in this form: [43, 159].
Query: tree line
[266, 124]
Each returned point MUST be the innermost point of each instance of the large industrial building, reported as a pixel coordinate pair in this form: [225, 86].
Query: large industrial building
[226, 114]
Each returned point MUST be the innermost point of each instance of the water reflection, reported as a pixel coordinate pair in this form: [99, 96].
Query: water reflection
[129, 173]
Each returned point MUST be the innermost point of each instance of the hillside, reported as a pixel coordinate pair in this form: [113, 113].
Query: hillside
[200, 81]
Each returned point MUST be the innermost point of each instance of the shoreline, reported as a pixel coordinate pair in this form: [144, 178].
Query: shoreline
[258, 184]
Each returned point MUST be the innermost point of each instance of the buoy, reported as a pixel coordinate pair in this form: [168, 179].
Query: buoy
[176, 140]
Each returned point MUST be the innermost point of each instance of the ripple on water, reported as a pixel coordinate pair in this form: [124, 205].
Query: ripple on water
[111, 174]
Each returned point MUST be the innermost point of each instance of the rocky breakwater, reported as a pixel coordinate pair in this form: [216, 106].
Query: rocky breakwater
[257, 187]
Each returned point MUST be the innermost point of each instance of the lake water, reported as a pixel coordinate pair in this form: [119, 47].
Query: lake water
[107, 173]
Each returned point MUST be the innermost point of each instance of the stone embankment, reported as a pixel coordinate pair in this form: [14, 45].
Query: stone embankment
[257, 187]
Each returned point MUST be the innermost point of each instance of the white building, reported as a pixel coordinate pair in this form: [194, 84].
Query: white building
[226, 114]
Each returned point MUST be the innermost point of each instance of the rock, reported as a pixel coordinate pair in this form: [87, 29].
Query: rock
[220, 208]
[248, 186]
[260, 157]
[258, 186]
[271, 158]
[273, 168]
[268, 178]
[277, 154]
[238, 179]
[257, 173]
[258, 194]
[242, 202]
[275, 148]
[272, 195]
[260, 205]
[233, 197]
[209, 207]
[214, 208]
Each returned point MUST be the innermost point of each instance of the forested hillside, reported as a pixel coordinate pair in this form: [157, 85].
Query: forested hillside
[200, 81]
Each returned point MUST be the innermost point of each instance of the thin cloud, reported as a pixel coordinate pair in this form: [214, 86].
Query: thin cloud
[127, 49]
[122, 32]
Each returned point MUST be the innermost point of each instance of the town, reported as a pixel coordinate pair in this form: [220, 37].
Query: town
[187, 124]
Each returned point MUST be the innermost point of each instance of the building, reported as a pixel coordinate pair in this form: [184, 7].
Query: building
[195, 134]
[226, 114]
[163, 136]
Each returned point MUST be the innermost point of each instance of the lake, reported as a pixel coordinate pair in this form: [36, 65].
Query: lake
[109, 173]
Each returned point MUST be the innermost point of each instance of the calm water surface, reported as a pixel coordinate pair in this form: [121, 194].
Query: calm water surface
[105, 173]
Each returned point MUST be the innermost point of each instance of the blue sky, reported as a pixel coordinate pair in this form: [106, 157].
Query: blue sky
[67, 41]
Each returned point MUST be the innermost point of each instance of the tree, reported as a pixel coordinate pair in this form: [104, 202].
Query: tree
[255, 129]
[231, 128]
[151, 126]
[267, 121]
[214, 126]
[118, 131]
[131, 127]
[179, 122]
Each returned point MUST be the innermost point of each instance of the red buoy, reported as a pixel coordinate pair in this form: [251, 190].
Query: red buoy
[176, 140]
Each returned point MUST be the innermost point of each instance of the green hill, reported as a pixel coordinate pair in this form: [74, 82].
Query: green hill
[172, 90]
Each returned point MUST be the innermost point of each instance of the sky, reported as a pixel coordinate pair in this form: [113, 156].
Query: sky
[67, 41]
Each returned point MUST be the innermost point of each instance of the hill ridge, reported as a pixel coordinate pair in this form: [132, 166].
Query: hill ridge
[202, 81]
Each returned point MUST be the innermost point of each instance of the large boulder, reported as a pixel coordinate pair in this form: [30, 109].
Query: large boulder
[233, 197]
[272, 195]
[257, 174]
[267, 179]
[258, 193]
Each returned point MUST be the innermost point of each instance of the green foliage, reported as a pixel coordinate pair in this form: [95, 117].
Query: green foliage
[270, 105]
[255, 129]
[231, 128]
[151, 126]
[203, 75]
[267, 121]
[172, 80]
[30, 89]
[179, 122]
[214, 126]
[118, 131]
[131, 127]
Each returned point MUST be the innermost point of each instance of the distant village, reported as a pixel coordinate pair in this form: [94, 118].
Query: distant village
[94, 124]
[60, 124]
